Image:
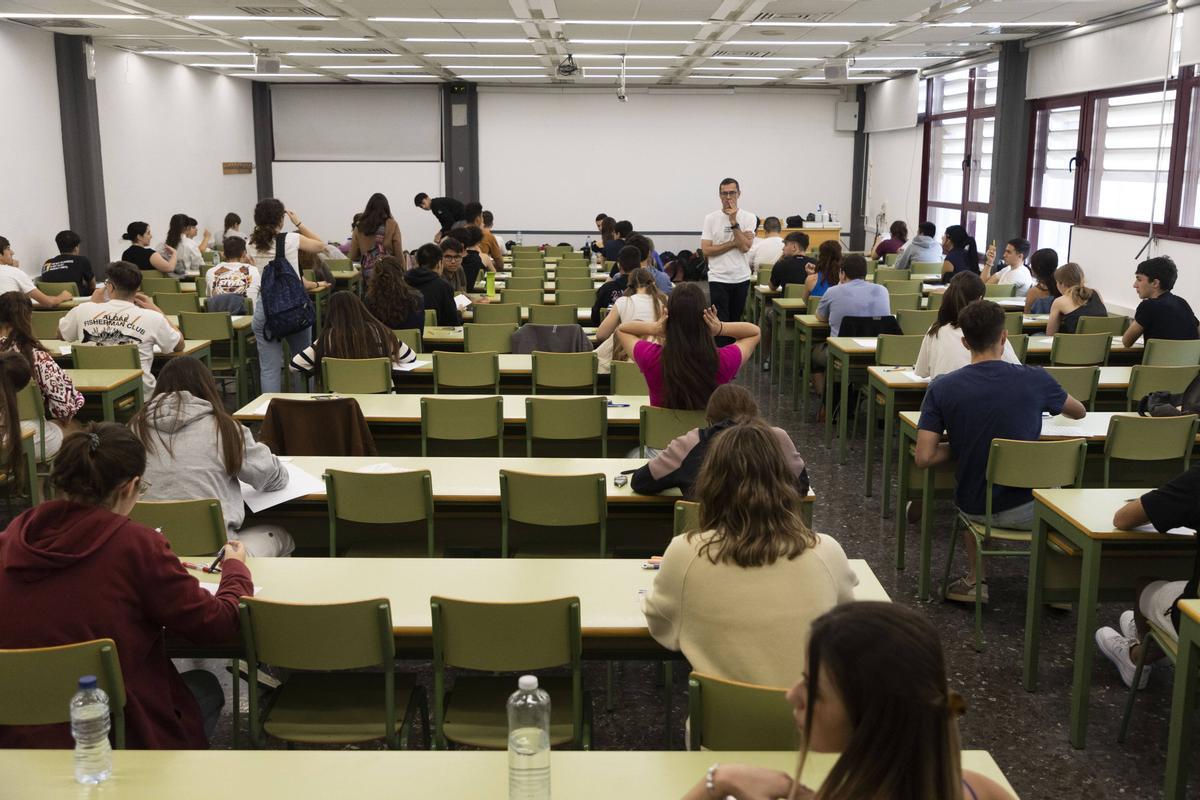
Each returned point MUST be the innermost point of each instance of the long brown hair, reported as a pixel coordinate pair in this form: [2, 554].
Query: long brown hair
[829, 262]
[15, 372]
[268, 216]
[886, 663]
[964, 288]
[689, 354]
[1070, 275]
[16, 311]
[389, 297]
[730, 401]
[186, 374]
[351, 331]
[608, 230]
[641, 278]
[748, 499]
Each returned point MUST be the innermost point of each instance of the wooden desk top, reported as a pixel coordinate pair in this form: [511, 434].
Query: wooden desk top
[583, 315]
[811, 321]
[1190, 608]
[406, 408]
[1093, 427]
[445, 334]
[102, 380]
[1041, 344]
[902, 378]
[458, 774]
[1091, 511]
[239, 321]
[510, 364]
[60, 348]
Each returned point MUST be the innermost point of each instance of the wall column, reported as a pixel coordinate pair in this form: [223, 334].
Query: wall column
[1010, 148]
[82, 160]
[264, 138]
[460, 140]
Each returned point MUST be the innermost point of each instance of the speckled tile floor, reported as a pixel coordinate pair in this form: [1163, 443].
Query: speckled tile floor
[1026, 733]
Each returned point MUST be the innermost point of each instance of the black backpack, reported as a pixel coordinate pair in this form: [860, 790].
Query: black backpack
[286, 305]
[1165, 404]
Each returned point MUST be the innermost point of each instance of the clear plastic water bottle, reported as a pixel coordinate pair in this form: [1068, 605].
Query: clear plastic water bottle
[528, 742]
[89, 726]
[520, 238]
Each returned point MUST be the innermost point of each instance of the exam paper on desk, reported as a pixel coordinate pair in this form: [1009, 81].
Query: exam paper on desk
[1149, 528]
[299, 484]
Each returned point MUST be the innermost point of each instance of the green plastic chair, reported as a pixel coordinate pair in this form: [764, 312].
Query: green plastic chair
[572, 283]
[158, 284]
[473, 422]
[1143, 380]
[52, 287]
[1014, 322]
[1080, 349]
[217, 327]
[357, 375]
[559, 250]
[524, 282]
[1020, 345]
[553, 315]
[555, 501]
[1113, 325]
[113, 356]
[479, 338]
[813, 304]
[1079, 382]
[31, 408]
[529, 270]
[339, 264]
[431, 318]
[925, 267]
[730, 715]
[172, 303]
[355, 497]
[687, 517]
[1022, 465]
[38, 683]
[319, 701]
[794, 290]
[627, 379]
[497, 314]
[577, 298]
[1160, 352]
[459, 371]
[1134, 438]
[524, 297]
[658, 427]
[898, 351]
[210, 257]
[1168, 645]
[572, 270]
[883, 274]
[512, 638]
[935, 301]
[899, 302]
[191, 527]
[763, 277]
[45, 323]
[916, 322]
[999, 290]
[891, 258]
[910, 286]
[564, 371]
[410, 337]
[582, 420]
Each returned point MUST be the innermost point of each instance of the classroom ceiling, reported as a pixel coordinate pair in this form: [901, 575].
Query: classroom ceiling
[522, 42]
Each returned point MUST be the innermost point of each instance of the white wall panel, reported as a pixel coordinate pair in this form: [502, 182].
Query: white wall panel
[357, 123]
[1108, 260]
[894, 178]
[892, 105]
[1121, 56]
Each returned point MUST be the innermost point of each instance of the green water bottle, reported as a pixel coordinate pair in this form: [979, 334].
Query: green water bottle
[491, 284]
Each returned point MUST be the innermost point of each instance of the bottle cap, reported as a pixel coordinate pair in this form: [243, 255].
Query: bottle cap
[527, 683]
[87, 682]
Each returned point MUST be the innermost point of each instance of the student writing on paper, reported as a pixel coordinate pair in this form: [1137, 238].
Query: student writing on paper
[942, 348]
[79, 569]
[351, 332]
[195, 450]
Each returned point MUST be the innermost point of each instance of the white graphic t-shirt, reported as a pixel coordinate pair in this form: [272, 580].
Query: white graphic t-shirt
[121, 322]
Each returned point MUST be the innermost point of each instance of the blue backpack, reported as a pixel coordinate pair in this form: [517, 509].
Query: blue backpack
[286, 305]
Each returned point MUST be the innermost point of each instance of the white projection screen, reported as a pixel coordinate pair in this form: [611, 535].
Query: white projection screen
[357, 123]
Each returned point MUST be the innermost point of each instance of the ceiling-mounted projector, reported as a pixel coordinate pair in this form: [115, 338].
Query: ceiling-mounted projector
[266, 65]
[567, 67]
[836, 69]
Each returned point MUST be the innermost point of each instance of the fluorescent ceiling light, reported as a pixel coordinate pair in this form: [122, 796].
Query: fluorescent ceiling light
[450, 20]
[71, 16]
[617, 69]
[730, 78]
[787, 44]
[762, 58]
[343, 55]
[390, 75]
[251, 18]
[819, 78]
[283, 75]
[306, 38]
[629, 77]
[367, 66]
[899, 58]
[742, 69]
[194, 53]
[509, 67]
[880, 69]
[486, 55]
[498, 77]
[224, 66]
[676, 22]
[795, 24]
[631, 57]
[631, 41]
[522, 40]
[999, 24]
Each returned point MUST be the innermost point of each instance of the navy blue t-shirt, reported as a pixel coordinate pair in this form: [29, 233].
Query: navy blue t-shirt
[985, 401]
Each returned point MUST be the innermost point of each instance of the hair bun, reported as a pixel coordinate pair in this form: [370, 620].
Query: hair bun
[127, 237]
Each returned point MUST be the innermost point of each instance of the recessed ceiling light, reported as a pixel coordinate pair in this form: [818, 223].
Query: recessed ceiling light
[792, 44]
[522, 40]
[631, 41]
[366, 66]
[449, 20]
[23, 15]
[742, 69]
[796, 24]
[306, 38]
[676, 22]
[250, 18]
[193, 52]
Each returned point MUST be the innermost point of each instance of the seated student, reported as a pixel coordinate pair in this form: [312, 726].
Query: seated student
[195, 450]
[628, 260]
[611, 242]
[767, 250]
[351, 332]
[679, 464]
[450, 267]
[826, 270]
[391, 299]
[1042, 294]
[853, 296]
[873, 688]
[1014, 270]
[985, 400]
[179, 240]
[236, 274]
[1075, 300]
[119, 314]
[233, 227]
[1175, 505]
[80, 569]
[427, 280]
[651, 261]
[923, 249]
[15, 375]
[68, 265]
[738, 594]
[1161, 314]
[471, 237]
[793, 267]
[641, 301]
[142, 256]
[683, 371]
[894, 244]
[60, 399]
[942, 348]
[961, 253]
[14, 279]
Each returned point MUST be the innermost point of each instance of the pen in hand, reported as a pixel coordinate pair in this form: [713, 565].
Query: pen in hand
[220, 556]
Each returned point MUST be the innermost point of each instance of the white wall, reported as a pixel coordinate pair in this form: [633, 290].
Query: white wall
[894, 178]
[1108, 260]
[33, 203]
[552, 160]
[164, 131]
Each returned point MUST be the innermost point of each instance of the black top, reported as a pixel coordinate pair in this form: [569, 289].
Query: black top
[67, 268]
[612, 249]
[1167, 316]
[607, 294]
[1094, 307]
[790, 270]
[448, 211]
[472, 265]
[1177, 505]
[958, 259]
[438, 294]
[138, 256]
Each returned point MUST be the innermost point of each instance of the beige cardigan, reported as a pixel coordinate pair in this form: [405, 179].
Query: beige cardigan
[745, 624]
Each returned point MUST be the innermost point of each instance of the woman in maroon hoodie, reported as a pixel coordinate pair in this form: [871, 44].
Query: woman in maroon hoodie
[77, 569]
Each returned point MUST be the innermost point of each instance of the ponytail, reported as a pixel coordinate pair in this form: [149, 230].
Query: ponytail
[15, 373]
[96, 461]
[1070, 275]
[268, 216]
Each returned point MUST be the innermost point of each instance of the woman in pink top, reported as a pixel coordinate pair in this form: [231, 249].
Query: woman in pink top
[683, 371]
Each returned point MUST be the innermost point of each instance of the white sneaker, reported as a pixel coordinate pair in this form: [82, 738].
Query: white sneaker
[1116, 647]
[1128, 626]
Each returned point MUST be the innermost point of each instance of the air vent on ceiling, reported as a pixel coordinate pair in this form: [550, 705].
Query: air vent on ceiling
[767, 16]
[279, 11]
[362, 51]
[741, 53]
[62, 23]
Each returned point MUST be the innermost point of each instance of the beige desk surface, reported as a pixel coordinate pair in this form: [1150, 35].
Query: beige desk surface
[510, 364]
[444, 334]
[1191, 608]
[1091, 511]
[239, 320]
[62, 348]
[598, 280]
[583, 315]
[454, 775]
[898, 377]
[406, 408]
[811, 321]
[1042, 343]
[1093, 427]
[101, 380]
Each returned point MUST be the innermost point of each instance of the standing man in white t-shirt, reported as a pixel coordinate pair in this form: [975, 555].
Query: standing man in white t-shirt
[727, 236]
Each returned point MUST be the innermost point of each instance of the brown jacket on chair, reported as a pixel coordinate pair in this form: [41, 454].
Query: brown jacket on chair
[334, 427]
[550, 339]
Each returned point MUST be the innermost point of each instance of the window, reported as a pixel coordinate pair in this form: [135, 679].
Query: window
[1127, 169]
[1189, 212]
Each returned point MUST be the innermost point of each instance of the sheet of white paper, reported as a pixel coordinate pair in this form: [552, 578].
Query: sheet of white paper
[909, 375]
[410, 366]
[462, 301]
[1148, 528]
[866, 342]
[1061, 430]
[64, 349]
[299, 484]
[211, 588]
[380, 469]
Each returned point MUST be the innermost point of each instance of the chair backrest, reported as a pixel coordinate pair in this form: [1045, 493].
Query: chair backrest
[898, 351]
[554, 501]
[1014, 322]
[566, 419]
[357, 375]
[925, 267]
[1134, 438]
[687, 517]
[113, 356]
[1000, 290]
[914, 321]
[1035, 465]
[479, 338]
[627, 379]
[813, 304]
[869, 326]
[729, 715]
[497, 314]
[523, 297]
[898, 302]
[1079, 382]
[54, 287]
[506, 637]
[572, 270]
[152, 285]
[559, 250]
[891, 258]
[909, 286]
[410, 337]
[891, 274]
[764, 275]
[565, 371]
[553, 315]
[339, 264]
[659, 426]
[355, 497]
[1113, 325]
[38, 683]
[45, 323]
[579, 298]
[466, 371]
[1143, 380]
[172, 303]
[216, 326]
[331, 636]
[794, 290]
[191, 527]
[935, 300]
[573, 283]
[431, 319]
[1080, 349]
[528, 270]
[1020, 345]
[522, 281]
[1165, 352]
[462, 419]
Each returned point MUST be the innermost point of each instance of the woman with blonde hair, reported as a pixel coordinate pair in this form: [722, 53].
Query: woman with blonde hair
[1075, 300]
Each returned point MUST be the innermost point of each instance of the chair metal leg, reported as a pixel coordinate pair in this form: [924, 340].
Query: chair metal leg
[950, 557]
[237, 701]
[668, 682]
[978, 594]
[1133, 690]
